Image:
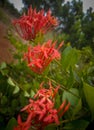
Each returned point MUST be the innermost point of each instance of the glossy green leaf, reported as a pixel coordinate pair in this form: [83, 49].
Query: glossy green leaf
[89, 94]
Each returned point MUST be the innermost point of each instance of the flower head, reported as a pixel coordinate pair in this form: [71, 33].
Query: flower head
[30, 25]
[47, 93]
[40, 56]
[41, 111]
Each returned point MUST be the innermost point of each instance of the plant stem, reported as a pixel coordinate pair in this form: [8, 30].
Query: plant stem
[62, 87]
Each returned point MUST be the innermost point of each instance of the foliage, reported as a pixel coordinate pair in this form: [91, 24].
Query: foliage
[73, 72]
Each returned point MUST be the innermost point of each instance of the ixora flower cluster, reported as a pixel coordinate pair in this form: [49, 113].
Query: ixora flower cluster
[30, 25]
[40, 56]
[41, 109]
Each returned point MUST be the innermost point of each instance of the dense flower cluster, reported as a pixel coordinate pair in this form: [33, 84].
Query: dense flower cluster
[40, 56]
[30, 25]
[41, 111]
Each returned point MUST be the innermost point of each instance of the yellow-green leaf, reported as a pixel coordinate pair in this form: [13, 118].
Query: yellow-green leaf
[16, 89]
[10, 81]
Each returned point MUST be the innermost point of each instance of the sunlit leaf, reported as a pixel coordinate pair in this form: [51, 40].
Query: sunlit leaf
[10, 81]
[26, 94]
[32, 93]
[16, 89]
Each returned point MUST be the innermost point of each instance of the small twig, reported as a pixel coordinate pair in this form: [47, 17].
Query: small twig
[62, 87]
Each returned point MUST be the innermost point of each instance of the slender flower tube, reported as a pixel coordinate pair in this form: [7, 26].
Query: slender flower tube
[40, 56]
[31, 24]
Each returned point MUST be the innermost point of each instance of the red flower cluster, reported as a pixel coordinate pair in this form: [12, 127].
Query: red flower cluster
[40, 56]
[30, 25]
[41, 111]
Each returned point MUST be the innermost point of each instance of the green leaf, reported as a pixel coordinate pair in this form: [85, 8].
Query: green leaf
[70, 97]
[77, 108]
[3, 65]
[69, 57]
[26, 94]
[76, 125]
[14, 103]
[89, 94]
[12, 122]
[75, 101]
[26, 86]
[16, 89]
[36, 84]
[10, 81]
[4, 100]
[76, 77]
[70, 79]
[32, 93]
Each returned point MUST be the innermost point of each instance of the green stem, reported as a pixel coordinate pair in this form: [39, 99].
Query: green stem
[57, 62]
[62, 87]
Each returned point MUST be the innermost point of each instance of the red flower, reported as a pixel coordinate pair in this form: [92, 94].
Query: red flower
[30, 25]
[47, 93]
[23, 125]
[40, 56]
[52, 117]
[41, 111]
